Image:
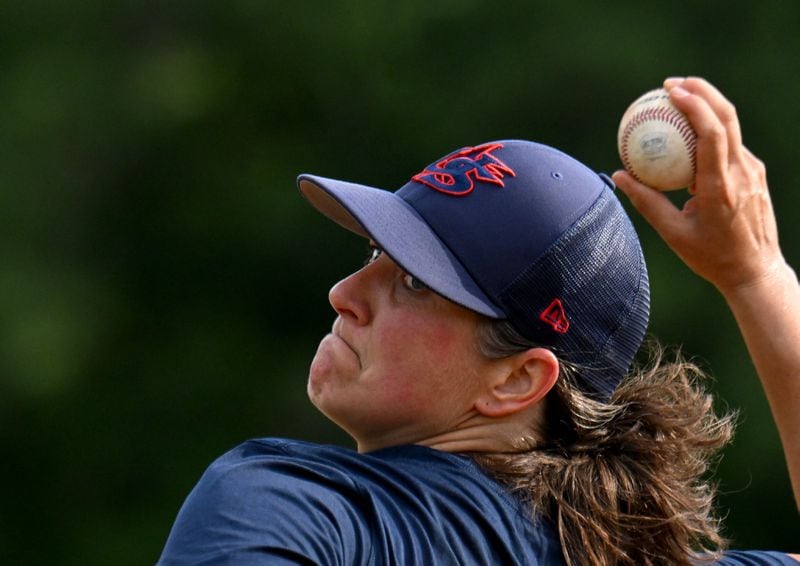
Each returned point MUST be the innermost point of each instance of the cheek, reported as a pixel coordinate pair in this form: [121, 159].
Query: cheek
[419, 345]
[425, 363]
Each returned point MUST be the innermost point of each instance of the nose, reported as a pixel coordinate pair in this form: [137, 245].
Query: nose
[349, 297]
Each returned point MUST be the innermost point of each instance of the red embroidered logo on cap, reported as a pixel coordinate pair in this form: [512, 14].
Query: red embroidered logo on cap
[456, 174]
[555, 316]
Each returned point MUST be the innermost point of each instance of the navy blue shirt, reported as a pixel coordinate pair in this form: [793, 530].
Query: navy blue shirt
[273, 501]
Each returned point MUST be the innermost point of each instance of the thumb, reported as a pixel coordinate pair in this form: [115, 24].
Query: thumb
[656, 208]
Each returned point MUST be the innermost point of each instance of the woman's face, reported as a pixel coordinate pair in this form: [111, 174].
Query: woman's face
[401, 362]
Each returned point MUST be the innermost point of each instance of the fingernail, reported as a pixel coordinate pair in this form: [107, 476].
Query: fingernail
[678, 92]
[673, 81]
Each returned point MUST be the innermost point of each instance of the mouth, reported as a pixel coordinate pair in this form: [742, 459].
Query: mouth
[336, 331]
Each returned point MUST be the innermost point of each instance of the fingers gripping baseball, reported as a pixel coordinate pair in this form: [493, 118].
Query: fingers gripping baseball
[719, 105]
[725, 231]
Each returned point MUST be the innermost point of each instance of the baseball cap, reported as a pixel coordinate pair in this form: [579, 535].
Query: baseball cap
[519, 231]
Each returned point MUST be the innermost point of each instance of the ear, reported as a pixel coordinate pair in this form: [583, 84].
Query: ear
[529, 377]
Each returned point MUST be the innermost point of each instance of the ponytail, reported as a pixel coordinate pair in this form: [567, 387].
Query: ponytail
[622, 482]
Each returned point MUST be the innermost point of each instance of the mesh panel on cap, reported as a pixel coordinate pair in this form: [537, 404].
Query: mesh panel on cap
[597, 271]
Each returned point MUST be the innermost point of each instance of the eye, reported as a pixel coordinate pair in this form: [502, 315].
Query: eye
[373, 254]
[413, 283]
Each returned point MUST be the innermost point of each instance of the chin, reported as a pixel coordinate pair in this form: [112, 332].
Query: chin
[317, 399]
[316, 386]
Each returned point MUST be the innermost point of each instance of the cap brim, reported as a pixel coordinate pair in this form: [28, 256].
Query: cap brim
[402, 233]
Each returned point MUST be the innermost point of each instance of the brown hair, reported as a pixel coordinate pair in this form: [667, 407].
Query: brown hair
[622, 482]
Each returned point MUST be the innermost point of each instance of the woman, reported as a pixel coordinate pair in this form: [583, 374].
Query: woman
[482, 362]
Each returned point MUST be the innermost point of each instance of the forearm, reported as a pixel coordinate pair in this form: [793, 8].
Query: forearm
[768, 314]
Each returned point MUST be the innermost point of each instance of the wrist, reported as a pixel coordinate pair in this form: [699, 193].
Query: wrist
[775, 278]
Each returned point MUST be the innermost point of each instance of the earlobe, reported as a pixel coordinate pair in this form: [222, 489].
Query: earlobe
[530, 376]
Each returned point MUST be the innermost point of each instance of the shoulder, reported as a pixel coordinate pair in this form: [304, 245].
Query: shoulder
[272, 494]
[250, 477]
[266, 460]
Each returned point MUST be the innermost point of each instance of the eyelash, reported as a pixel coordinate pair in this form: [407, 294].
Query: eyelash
[411, 282]
[373, 253]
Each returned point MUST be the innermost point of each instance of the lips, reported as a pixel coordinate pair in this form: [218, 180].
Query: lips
[337, 332]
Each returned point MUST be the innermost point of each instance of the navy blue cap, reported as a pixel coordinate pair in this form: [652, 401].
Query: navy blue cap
[520, 231]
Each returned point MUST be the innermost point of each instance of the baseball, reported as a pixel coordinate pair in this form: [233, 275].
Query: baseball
[656, 142]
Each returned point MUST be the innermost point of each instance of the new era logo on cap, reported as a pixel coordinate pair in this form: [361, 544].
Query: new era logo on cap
[555, 316]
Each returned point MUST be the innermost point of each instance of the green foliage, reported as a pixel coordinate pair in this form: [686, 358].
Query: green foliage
[163, 285]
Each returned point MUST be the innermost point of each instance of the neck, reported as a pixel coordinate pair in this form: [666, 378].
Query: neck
[495, 435]
[516, 432]
[477, 433]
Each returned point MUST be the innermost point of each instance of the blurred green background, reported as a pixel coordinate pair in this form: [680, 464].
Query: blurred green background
[163, 286]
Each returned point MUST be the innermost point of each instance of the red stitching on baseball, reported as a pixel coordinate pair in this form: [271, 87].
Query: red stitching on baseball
[671, 117]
